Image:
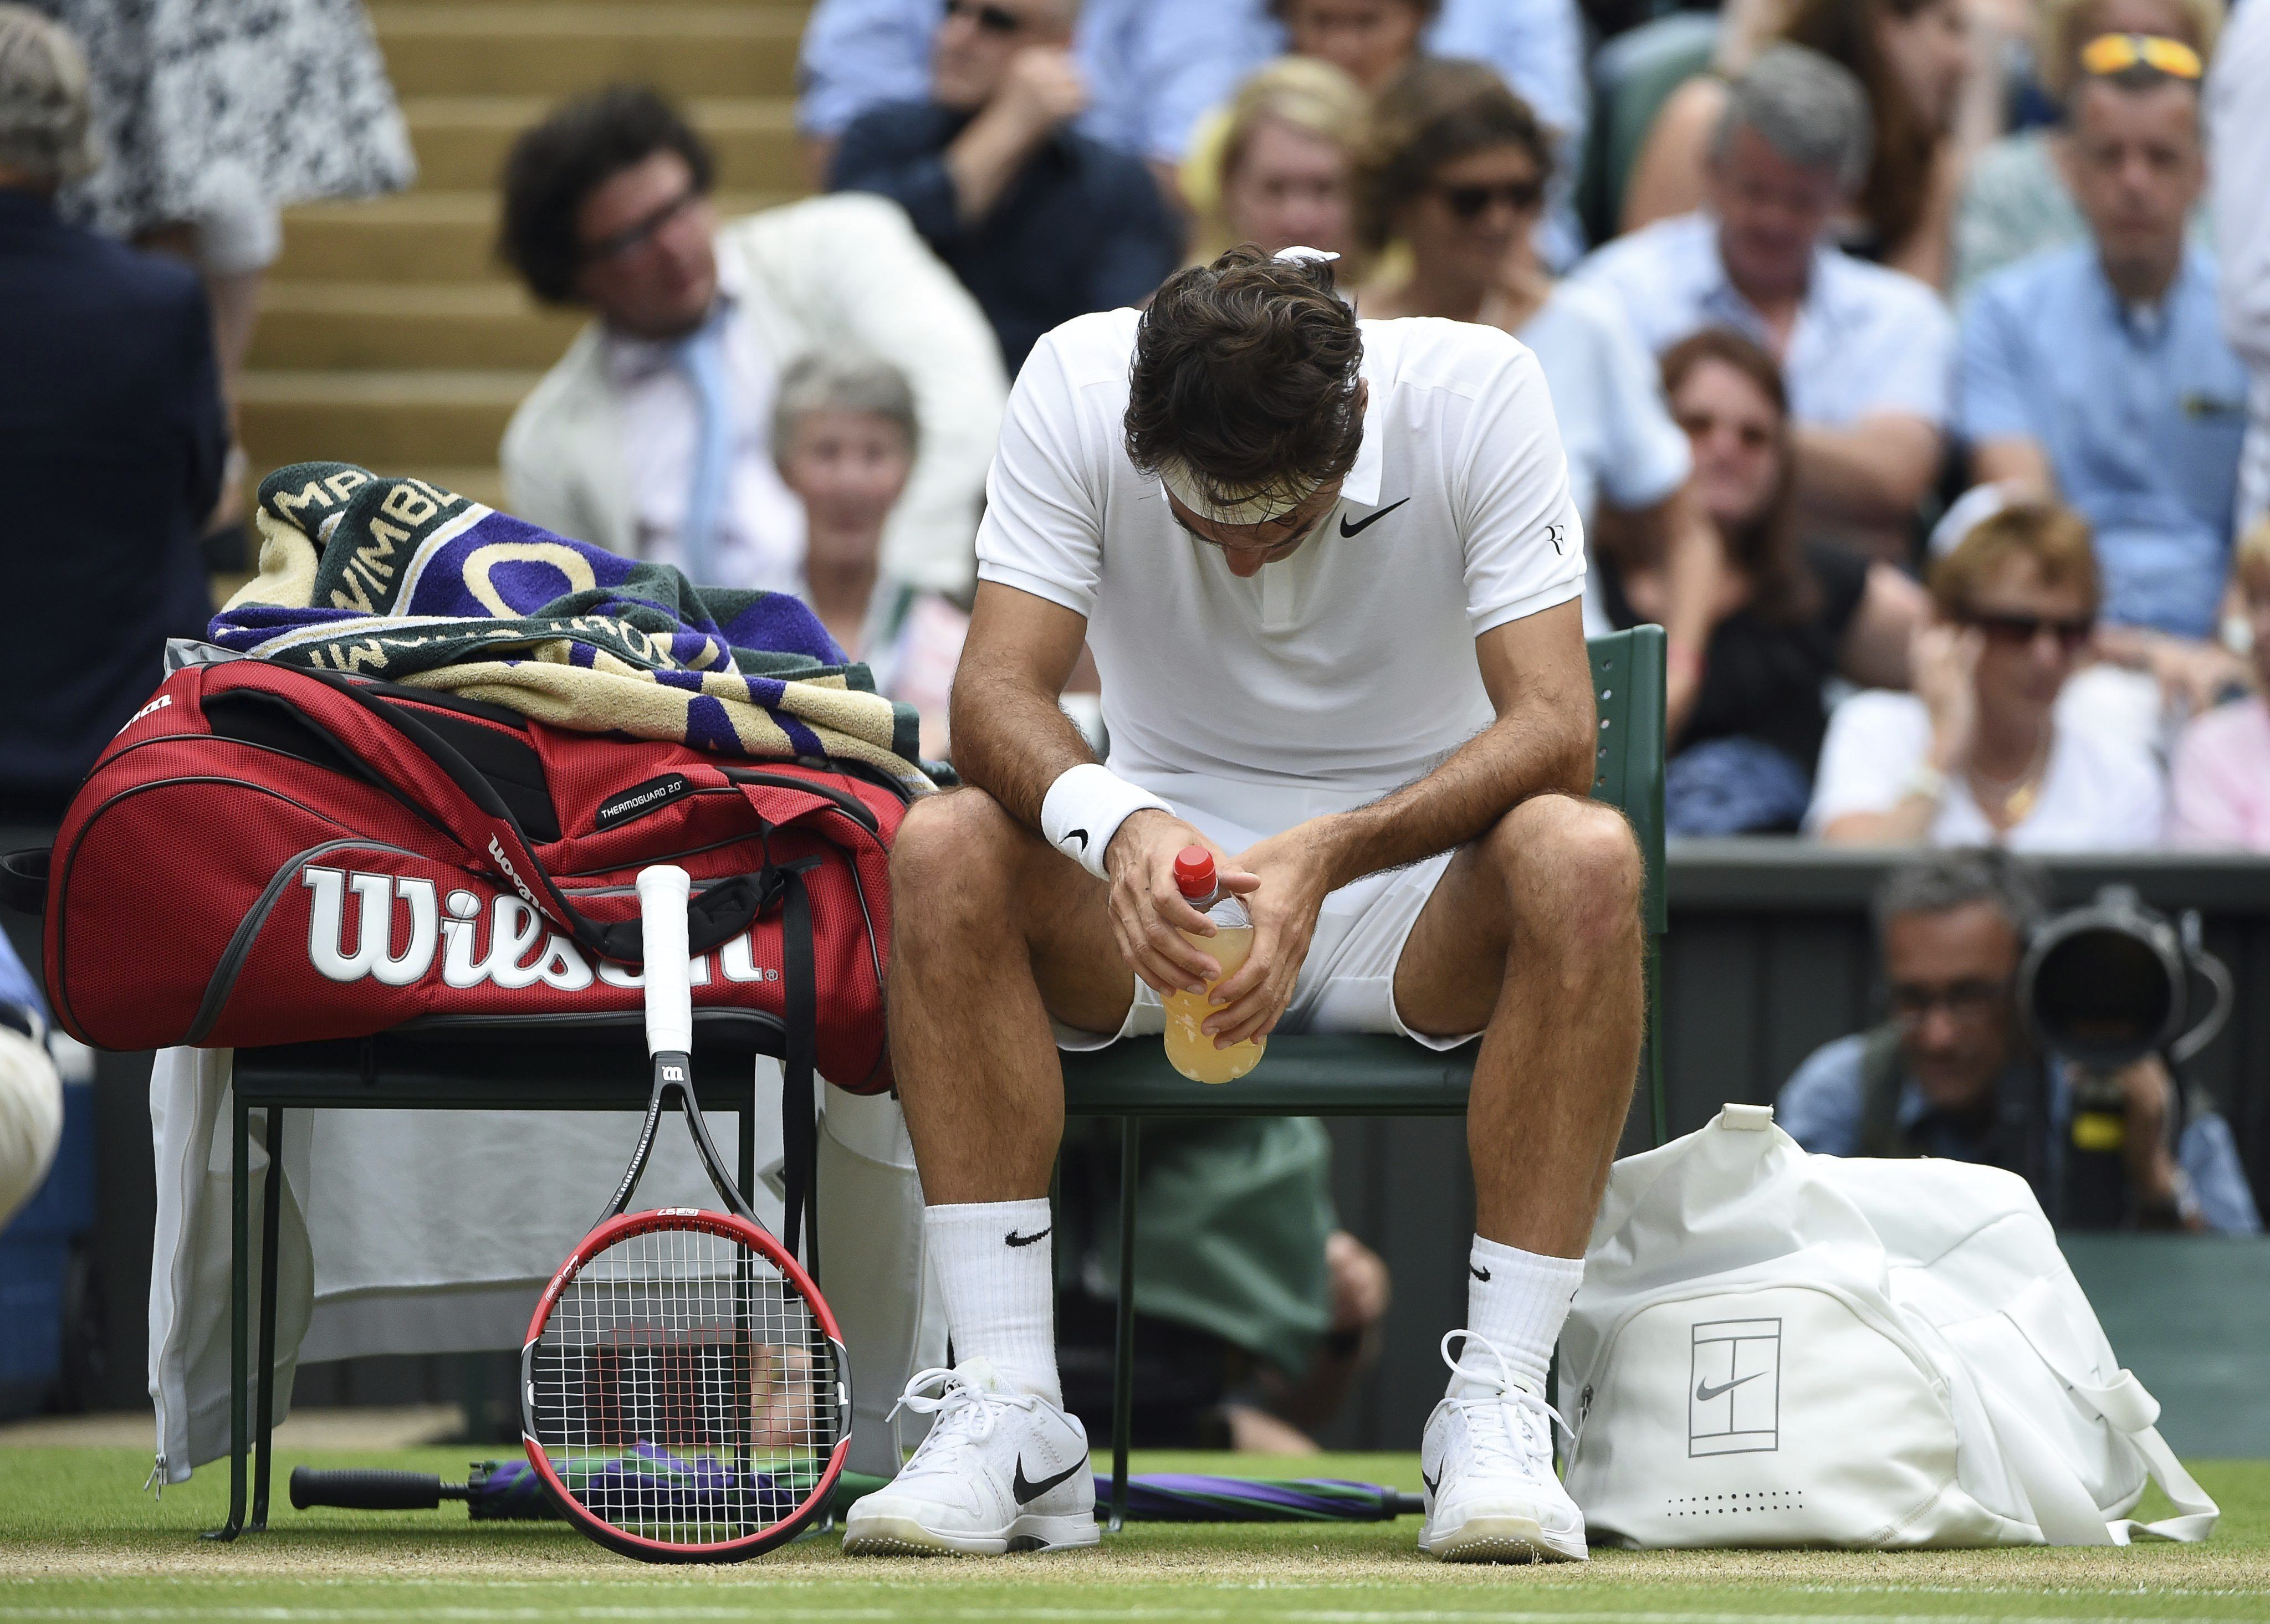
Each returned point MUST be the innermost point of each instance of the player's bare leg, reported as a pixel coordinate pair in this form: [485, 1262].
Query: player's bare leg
[991, 930]
[1534, 936]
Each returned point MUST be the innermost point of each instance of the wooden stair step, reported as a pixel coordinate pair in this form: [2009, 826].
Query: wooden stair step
[556, 49]
[419, 236]
[461, 141]
[392, 422]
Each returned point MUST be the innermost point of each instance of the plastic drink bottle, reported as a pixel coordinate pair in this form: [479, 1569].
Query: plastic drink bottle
[1190, 1049]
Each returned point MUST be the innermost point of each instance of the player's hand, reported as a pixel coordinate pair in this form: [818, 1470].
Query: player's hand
[1292, 880]
[1149, 912]
[1042, 88]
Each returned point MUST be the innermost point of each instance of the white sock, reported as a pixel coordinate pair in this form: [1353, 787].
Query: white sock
[1519, 1301]
[997, 1272]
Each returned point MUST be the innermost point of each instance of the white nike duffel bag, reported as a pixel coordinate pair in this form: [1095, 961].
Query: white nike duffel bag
[1772, 1348]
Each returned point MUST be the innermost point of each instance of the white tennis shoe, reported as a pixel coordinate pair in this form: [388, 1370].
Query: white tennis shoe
[1001, 1470]
[1487, 1459]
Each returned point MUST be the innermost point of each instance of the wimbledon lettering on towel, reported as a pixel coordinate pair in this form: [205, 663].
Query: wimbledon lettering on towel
[513, 950]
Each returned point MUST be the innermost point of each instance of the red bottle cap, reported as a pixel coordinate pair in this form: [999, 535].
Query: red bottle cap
[1194, 872]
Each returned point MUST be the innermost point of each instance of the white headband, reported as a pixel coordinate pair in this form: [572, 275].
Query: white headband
[1261, 503]
[1253, 507]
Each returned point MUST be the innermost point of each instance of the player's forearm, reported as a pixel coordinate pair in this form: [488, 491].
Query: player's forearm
[1528, 752]
[1010, 740]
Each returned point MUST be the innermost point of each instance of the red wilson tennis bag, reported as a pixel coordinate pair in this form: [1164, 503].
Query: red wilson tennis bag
[265, 855]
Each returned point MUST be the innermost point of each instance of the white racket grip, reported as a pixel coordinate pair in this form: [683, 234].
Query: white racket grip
[662, 890]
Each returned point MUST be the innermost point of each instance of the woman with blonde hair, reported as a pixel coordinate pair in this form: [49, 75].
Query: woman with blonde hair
[1276, 167]
[1977, 755]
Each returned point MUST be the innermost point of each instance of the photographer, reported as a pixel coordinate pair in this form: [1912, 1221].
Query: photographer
[1953, 1072]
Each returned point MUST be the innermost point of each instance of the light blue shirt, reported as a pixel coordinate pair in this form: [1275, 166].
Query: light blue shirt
[1867, 340]
[1152, 67]
[1822, 1105]
[2140, 412]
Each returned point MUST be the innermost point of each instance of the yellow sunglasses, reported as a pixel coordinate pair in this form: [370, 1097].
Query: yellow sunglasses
[2116, 52]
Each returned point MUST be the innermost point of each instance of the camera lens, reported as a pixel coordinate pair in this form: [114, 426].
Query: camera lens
[2102, 995]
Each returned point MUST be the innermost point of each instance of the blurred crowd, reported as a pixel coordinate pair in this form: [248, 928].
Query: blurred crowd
[1900, 348]
[1911, 359]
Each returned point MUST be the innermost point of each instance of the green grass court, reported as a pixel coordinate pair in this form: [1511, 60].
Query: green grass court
[79, 1540]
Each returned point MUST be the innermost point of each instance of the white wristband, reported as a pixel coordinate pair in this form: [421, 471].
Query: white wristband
[1084, 809]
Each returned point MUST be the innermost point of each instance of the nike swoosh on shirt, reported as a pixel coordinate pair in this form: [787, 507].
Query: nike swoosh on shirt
[1704, 1392]
[1369, 520]
[1027, 1491]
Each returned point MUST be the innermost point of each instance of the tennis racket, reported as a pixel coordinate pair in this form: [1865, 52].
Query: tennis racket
[681, 1367]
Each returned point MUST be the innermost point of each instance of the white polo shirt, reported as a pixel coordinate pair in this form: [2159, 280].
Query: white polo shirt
[1331, 677]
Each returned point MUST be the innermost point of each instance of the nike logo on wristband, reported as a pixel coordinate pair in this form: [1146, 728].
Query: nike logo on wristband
[1479, 1272]
[1014, 1239]
[1079, 834]
[1368, 522]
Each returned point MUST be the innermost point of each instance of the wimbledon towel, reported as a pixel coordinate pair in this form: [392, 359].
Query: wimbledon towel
[399, 579]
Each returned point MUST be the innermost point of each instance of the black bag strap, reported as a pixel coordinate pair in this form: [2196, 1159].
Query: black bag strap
[799, 1134]
[24, 881]
[715, 915]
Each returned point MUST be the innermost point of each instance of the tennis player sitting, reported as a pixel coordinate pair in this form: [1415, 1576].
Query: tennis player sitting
[1330, 571]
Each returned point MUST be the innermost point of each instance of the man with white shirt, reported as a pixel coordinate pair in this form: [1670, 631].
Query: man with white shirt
[651, 436]
[1330, 572]
[1866, 351]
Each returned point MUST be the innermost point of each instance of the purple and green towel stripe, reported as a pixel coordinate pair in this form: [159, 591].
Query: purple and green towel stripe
[400, 579]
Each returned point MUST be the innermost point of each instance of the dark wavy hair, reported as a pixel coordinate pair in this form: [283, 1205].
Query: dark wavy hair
[1898, 183]
[1246, 370]
[1436, 111]
[554, 166]
[1767, 550]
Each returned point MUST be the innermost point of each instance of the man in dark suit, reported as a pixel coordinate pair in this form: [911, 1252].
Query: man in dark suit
[112, 436]
[1040, 223]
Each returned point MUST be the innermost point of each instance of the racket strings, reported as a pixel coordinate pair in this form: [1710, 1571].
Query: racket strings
[683, 1390]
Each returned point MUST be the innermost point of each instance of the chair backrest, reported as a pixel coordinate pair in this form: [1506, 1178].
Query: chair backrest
[1628, 671]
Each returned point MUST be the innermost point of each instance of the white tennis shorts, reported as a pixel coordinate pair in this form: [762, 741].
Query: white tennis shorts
[1347, 981]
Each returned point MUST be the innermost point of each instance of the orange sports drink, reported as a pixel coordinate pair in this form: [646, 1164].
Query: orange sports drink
[1190, 1049]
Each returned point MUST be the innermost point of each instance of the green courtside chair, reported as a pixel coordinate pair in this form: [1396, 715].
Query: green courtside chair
[1383, 1076]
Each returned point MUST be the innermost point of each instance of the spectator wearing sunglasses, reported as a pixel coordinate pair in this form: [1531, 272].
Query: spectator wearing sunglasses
[2099, 374]
[2014, 199]
[1864, 349]
[652, 435]
[1456, 172]
[1951, 1071]
[1977, 755]
[1761, 618]
[1040, 223]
